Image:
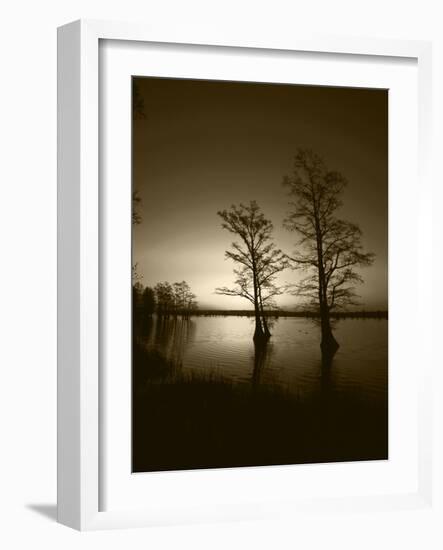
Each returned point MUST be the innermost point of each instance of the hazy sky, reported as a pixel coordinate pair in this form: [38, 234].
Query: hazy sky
[204, 145]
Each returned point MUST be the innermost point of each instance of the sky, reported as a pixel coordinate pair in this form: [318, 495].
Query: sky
[202, 146]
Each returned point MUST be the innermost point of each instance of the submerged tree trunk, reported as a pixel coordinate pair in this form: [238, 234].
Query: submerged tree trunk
[266, 331]
[258, 333]
[329, 344]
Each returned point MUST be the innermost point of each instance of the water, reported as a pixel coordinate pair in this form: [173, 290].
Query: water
[291, 360]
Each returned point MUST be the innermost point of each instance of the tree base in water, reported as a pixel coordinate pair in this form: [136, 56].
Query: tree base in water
[329, 347]
[261, 338]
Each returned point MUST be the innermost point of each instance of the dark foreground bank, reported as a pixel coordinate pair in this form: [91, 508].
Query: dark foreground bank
[187, 421]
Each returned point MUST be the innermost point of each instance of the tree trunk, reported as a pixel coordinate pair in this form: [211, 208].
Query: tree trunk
[258, 333]
[266, 331]
[329, 344]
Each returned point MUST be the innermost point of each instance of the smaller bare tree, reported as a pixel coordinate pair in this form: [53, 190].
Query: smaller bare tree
[258, 258]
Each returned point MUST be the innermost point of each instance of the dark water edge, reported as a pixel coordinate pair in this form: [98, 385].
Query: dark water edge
[187, 421]
[275, 313]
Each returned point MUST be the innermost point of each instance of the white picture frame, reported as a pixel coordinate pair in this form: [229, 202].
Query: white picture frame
[80, 262]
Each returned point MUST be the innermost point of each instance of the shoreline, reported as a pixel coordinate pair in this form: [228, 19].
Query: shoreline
[282, 313]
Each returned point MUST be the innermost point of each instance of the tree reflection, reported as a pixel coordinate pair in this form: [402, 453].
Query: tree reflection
[262, 353]
[326, 377]
[170, 335]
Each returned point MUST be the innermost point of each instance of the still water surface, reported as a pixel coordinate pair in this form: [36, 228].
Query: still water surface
[292, 359]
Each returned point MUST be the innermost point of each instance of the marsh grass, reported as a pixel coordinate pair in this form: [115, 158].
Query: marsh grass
[202, 420]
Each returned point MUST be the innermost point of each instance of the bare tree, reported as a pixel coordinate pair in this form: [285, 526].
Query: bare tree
[175, 299]
[184, 299]
[329, 248]
[148, 301]
[164, 295]
[258, 258]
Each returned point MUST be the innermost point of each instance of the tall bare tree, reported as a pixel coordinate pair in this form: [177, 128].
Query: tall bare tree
[258, 258]
[329, 248]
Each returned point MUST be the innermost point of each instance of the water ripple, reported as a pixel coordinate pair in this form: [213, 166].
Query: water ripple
[292, 358]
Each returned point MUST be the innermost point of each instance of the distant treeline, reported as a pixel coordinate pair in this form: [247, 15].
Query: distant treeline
[165, 299]
[283, 313]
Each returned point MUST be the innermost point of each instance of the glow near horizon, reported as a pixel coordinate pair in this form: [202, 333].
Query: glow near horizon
[208, 145]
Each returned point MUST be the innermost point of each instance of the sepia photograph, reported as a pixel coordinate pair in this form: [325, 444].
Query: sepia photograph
[259, 274]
